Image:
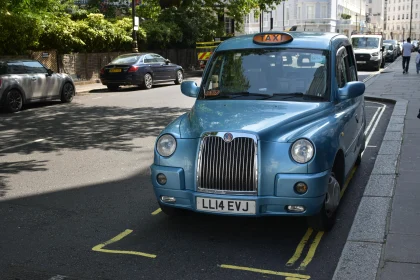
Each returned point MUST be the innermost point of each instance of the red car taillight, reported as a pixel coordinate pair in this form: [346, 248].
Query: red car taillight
[133, 69]
[102, 71]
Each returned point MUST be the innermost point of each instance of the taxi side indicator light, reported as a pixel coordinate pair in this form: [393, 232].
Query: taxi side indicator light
[272, 38]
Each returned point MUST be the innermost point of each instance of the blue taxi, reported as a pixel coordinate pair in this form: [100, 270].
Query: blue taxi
[277, 126]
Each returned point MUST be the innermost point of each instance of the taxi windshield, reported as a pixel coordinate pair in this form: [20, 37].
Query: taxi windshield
[273, 74]
[365, 42]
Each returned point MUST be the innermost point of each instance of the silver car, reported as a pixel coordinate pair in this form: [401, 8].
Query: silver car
[25, 81]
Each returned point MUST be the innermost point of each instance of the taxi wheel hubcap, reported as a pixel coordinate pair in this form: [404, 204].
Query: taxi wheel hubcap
[68, 91]
[333, 196]
[148, 80]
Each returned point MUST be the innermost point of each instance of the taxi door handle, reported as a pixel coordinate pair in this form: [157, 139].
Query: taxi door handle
[33, 78]
[357, 118]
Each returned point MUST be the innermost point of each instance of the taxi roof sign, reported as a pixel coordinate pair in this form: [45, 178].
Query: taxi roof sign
[272, 38]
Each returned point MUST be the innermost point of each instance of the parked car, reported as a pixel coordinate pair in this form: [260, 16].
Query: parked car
[276, 128]
[142, 69]
[390, 52]
[369, 51]
[396, 46]
[415, 44]
[25, 81]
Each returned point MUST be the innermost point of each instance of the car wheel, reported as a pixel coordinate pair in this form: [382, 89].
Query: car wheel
[325, 219]
[67, 93]
[179, 77]
[172, 211]
[147, 81]
[14, 101]
[362, 148]
[113, 87]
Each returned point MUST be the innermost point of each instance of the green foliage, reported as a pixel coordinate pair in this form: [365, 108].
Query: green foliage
[345, 16]
[149, 9]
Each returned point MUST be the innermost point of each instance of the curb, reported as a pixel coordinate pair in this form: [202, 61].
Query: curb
[361, 255]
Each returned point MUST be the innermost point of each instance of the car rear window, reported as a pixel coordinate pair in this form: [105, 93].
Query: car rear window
[126, 59]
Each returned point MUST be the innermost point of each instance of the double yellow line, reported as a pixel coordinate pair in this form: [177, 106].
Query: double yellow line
[315, 242]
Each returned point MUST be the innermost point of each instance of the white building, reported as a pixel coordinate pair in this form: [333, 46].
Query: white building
[341, 16]
[375, 11]
[399, 13]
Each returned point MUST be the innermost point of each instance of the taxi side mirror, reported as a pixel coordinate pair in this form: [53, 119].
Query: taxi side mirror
[351, 90]
[190, 89]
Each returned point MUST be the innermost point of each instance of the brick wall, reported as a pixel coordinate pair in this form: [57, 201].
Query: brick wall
[86, 66]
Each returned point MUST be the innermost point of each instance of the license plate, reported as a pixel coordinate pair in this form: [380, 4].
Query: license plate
[115, 70]
[361, 62]
[225, 205]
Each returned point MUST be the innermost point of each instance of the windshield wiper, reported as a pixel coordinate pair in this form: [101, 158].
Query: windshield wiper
[296, 94]
[236, 95]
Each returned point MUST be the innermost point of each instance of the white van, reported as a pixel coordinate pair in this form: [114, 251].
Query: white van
[369, 50]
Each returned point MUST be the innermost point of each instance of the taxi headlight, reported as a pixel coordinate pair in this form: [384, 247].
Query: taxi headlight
[375, 54]
[302, 151]
[166, 145]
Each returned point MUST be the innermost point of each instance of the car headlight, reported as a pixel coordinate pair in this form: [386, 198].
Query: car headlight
[302, 151]
[166, 145]
[375, 54]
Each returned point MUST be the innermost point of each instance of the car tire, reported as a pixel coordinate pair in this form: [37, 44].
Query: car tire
[67, 93]
[147, 81]
[13, 101]
[113, 87]
[179, 77]
[325, 219]
[172, 211]
[362, 148]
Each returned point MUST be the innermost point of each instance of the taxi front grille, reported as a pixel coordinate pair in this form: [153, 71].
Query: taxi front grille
[362, 57]
[227, 167]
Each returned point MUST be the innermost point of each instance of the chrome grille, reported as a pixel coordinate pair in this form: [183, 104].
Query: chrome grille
[228, 167]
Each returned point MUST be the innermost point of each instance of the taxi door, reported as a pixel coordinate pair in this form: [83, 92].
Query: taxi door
[350, 112]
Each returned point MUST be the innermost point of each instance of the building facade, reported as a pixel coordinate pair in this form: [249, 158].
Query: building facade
[400, 15]
[342, 16]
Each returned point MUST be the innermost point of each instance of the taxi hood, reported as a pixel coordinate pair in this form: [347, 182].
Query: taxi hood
[268, 119]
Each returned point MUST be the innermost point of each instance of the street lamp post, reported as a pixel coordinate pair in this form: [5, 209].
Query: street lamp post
[134, 43]
[411, 17]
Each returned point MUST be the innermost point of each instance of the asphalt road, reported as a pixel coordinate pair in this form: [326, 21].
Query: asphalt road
[365, 74]
[76, 201]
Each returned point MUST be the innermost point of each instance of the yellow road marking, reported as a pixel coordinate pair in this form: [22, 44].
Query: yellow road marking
[300, 247]
[99, 248]
[156, 211]
[346, 184]
[311, 251]
[290, 276]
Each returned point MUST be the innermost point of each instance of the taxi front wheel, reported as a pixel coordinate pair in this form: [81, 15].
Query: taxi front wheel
[325, 219]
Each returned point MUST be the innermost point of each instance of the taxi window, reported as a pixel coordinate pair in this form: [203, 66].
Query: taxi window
[267, 72]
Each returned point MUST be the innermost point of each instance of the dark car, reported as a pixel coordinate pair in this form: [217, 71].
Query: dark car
[142, 69]
[390, 52]
[25, 81]
[395, 44]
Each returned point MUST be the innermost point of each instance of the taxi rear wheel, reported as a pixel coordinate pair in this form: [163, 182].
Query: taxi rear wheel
[172, 211]
[325, 219]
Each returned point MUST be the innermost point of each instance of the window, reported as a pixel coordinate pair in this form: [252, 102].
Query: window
[393, 17]
[402, 16]
[158, 58]
[299, 13]
[149, 59]
[228, 25]
[287, 13]
[323, 11]
[370, 10]
[406, 16]
[126, 59]
[342, 66]
[370, 1]
[351, 64]
[34, 67]
[398, 17]
[416, 15]
[15, 68]
[310, 12]
[264, 72]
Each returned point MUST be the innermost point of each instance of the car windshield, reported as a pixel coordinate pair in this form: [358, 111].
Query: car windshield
[273, 74]
[388, 47]
[126, 59]
[365, 42]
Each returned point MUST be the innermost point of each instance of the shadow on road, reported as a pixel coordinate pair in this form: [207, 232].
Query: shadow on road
[55, 232]
[78, 127]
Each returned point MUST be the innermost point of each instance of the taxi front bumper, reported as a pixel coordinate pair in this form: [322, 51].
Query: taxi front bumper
[264, 205]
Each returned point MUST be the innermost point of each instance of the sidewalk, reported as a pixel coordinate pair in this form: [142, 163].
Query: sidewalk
[87, 87]
[384, 240]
